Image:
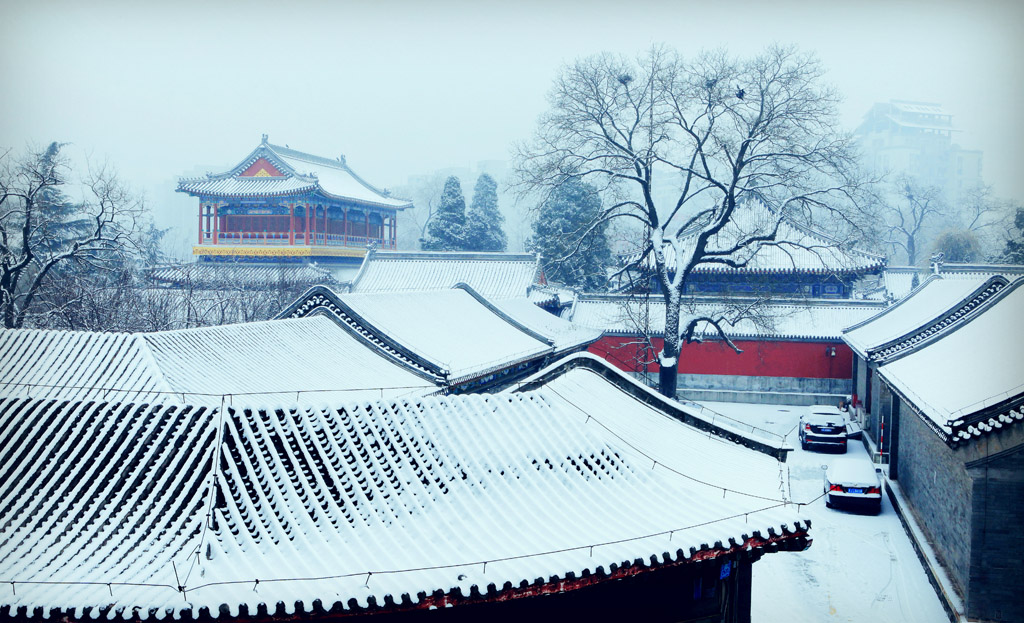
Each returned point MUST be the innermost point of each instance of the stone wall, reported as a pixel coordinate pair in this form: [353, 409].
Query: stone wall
[939, 489]
[997, 531]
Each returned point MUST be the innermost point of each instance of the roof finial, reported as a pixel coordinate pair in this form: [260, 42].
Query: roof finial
[265, 138]
[341, 158]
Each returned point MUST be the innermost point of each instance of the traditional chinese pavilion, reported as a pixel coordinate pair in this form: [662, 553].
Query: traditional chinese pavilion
[283, 205]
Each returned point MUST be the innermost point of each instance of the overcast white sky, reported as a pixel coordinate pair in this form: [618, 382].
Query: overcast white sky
[404, 88]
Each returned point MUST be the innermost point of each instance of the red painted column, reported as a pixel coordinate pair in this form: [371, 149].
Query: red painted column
[307, 223]
[291, 224]
[200, 223]
[216, 222]
[326, 229]
[367, 230]
[344, 226]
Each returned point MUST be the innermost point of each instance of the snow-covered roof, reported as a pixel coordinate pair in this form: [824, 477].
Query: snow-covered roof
[305, 360]
[966, 378]
[78, 365]
[454, 330]
[207, 274]
[296, 173]
[796, 249]
[153, 511]
[928, 108]
[585, 379]
[564, 335]
[548, 295]
[898, 281]
[493, 275]
[799, 319]
[936, 298]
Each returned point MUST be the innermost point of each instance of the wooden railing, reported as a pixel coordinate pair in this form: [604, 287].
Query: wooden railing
[319, 239]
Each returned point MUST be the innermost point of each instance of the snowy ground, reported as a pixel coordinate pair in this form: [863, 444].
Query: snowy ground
[859, 568]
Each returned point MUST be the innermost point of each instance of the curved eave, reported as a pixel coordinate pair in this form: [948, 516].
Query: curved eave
[788, 270]
[366, 202]
[305, 190]
[753, 545]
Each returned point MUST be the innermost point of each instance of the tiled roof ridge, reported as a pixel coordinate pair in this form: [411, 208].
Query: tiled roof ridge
[320, 298]
[961, 430]
[968, 309]
[339, 164]
[897, 305]
[628, 385]
[261, 151]
[799, 303]
[454, 255]
[501, 314]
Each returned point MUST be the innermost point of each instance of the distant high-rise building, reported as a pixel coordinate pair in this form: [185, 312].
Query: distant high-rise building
[916, 138]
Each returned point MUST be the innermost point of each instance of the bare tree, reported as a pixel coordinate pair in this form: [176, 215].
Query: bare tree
[907, 215]
[986, 216]
[43, 233]
[676, 144]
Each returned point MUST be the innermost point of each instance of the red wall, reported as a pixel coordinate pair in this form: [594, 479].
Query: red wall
[759, 358]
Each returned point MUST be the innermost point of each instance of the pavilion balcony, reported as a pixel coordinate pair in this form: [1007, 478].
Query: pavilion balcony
[282, 239]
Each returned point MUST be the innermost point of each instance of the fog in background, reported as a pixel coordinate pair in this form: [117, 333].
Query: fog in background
[403, 89]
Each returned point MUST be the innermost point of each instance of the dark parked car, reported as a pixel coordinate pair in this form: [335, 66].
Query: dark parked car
[823, 427]
[853, 484]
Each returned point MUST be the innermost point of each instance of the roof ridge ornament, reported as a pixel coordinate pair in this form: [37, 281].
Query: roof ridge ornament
[264, 140]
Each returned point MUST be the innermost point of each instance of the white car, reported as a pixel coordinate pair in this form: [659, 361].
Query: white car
[823, 426]
[853, 484]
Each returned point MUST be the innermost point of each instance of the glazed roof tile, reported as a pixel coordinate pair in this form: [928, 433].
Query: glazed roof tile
[358, 505]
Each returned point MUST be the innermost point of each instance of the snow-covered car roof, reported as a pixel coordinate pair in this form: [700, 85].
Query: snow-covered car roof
[853, 470]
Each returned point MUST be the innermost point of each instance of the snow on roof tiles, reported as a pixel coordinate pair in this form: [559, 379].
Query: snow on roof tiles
[590, 385]
[812, 319]
[372, 502]
[970, 366]
[565, 335]
[494, 275]
[303, 173]
[77, 365]
[450, 328]
[299, 360]
[242, 275]
[931, 300]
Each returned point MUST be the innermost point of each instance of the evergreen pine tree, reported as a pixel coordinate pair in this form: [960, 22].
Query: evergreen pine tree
[484, 230]
[60, 218]
[570, 211]
[447, 229]
[1014, 251]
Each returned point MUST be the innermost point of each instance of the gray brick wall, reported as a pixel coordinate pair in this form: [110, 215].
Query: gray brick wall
[997, 550]
[939, 489]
